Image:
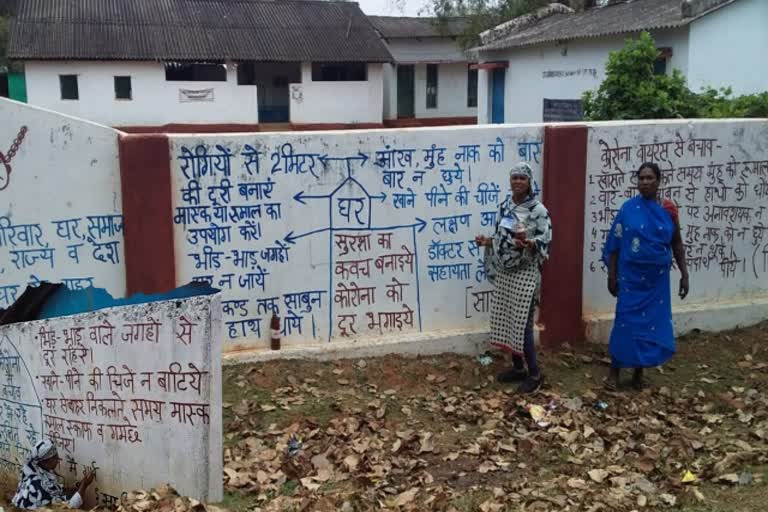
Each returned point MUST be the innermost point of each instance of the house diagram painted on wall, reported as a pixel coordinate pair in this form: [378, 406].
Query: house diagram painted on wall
[359, 246]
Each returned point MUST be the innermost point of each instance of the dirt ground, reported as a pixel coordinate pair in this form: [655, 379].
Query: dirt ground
[438, 433]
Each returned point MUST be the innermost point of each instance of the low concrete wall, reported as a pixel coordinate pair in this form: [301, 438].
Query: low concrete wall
[133, 391]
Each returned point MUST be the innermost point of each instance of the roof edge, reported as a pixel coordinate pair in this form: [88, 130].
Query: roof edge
[521, 22]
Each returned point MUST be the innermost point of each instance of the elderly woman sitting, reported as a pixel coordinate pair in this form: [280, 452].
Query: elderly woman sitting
[39, 485]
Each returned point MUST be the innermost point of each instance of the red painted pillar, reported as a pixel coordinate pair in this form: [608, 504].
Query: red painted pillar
[145, 175]
[565, 171]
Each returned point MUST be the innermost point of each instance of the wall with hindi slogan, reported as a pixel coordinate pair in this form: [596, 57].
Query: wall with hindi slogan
[86, 383]
[60, 202]
[348, 235]
[717, 174]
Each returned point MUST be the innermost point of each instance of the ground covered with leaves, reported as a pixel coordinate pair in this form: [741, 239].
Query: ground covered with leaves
[438, 433]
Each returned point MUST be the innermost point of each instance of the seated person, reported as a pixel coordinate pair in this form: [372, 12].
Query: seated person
[39, 485]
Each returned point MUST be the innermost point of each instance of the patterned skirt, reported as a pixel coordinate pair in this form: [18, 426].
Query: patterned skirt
[511, 306]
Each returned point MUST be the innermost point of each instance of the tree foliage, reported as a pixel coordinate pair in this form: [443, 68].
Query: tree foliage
[631, 90]
[7, 8]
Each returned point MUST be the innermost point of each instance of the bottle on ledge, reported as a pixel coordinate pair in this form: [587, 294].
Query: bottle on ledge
[274, 329]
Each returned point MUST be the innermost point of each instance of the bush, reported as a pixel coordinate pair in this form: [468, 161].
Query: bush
[631, 90]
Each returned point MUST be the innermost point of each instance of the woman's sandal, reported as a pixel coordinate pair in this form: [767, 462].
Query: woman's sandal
[612, 381]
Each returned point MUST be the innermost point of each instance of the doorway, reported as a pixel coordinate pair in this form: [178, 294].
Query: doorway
[271, 80]
[406, 101]
[497, 95]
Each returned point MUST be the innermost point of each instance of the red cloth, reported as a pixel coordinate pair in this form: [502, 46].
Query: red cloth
[671, 209]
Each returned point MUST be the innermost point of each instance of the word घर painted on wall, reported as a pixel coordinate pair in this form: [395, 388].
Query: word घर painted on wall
[342, 236]
[718, 178]
[86, 383]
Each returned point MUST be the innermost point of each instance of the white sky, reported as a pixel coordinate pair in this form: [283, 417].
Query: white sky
[391, 7]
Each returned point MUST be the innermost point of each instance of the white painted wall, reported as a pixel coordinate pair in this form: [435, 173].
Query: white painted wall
[155, 100]
[338, 102]
[312, 263]
[64, 169]
[389, 81]
[451, 91]
[483, 96]
[103, 421]
[578, 66]
[452, 77]
[736, 164]
[728, 48]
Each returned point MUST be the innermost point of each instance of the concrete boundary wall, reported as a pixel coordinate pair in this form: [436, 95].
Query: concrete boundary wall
[304, 172]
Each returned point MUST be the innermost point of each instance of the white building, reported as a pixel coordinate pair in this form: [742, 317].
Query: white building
[430, 82]
[536, 67]
[146, 63]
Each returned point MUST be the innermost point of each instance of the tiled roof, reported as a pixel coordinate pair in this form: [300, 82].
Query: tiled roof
[395, 27]
[261, 30]
[619, 18]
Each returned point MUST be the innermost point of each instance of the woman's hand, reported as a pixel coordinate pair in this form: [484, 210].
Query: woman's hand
[684, 286]
[88, 478]
[613, 285]
[525, 244]
[483, 241]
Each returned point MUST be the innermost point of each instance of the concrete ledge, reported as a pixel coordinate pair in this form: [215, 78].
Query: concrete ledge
[455, 342]
[704, 317]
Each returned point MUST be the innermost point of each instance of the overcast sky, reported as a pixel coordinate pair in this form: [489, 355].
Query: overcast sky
[390, 7]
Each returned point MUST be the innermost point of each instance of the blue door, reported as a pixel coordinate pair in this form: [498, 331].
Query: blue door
[497, 95]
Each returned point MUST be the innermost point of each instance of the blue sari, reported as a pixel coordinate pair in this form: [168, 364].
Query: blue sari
[642, 334]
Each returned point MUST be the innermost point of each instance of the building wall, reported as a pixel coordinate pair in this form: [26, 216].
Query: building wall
[717, 174]
[728, 48]
[452, 77]
[566, 71]
[140, 429]
[293, 249]
[451, 91]
[338, 102]
[60, 203]
[389, 81]
[155, 100]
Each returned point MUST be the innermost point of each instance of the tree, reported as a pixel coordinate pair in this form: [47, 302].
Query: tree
[631, 90]
[7, 9]
[485, 14]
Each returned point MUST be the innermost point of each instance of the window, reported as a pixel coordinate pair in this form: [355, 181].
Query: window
[431, 85]
[339, 72]
[68, 85]
[195, 72]
[246, 73]
[123, 88]
[472, 88]
[660, 64]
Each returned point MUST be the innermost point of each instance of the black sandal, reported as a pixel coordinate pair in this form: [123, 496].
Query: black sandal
[512, 375]
[530, 385]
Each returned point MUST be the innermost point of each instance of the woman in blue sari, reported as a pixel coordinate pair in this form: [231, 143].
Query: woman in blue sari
[638, 253]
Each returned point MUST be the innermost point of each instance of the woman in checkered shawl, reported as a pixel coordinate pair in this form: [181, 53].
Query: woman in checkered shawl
[513, 259]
